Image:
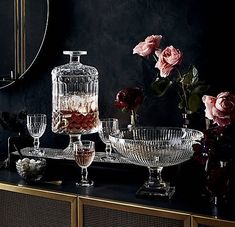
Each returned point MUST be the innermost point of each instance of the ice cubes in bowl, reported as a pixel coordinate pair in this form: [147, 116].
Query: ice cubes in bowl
[31, 169]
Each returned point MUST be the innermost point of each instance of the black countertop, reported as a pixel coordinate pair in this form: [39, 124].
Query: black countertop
[119, 182]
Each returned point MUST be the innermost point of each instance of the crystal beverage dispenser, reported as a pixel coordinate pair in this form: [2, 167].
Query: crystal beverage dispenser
[74, 99]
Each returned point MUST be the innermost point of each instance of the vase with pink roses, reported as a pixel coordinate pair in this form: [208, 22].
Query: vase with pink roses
[216, 152]
[169, 74]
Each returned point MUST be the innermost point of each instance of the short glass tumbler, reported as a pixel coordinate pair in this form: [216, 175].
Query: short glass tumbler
[84, 153]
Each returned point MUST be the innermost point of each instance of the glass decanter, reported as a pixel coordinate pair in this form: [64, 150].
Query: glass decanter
[74, 99]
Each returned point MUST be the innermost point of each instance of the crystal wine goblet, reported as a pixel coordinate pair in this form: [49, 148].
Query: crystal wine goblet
[84, 153]
[36, 125]
[108, 126]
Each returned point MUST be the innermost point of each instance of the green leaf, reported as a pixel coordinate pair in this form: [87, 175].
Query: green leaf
[194, 102]
[191, 77]
[160, 86]
[187, 79]
[195, 77]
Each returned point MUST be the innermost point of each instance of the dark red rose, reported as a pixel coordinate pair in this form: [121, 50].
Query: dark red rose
[129, 98]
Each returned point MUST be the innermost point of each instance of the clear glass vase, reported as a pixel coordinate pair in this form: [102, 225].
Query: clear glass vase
[74, 99]
[186, 120]
[133, 120]
[217, 180]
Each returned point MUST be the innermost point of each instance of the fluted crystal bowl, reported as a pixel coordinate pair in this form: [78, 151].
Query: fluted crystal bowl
[155, 148]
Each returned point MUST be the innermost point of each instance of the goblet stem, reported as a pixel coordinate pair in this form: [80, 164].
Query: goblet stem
[108, 149]
[84, 180]
[108, 153]
[84, 174]
[36, 144]
[36, 150]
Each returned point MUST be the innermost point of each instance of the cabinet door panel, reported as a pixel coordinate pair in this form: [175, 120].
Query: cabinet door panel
[108, 213]
[200, 221]
[30, 208]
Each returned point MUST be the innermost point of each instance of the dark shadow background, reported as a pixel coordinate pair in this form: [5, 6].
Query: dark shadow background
[109, 30]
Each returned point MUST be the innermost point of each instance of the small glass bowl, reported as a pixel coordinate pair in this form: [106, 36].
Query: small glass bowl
[31, 169]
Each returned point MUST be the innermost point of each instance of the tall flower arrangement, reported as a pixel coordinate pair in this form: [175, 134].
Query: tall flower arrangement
[167, 63]
[168, 75]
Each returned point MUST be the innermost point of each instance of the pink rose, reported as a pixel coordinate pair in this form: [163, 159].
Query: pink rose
[149, 46]
[168, 58]
[220, 109]
[209, 102]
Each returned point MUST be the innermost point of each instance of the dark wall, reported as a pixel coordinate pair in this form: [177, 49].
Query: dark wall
[108, 30]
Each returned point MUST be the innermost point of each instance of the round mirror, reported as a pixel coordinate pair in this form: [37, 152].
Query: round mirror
[23, 26]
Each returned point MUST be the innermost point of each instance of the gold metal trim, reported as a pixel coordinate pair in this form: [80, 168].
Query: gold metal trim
[129, 207]
[80, 212]
[46, 194]
[23, 37]
[203, 220]
[20, 50]
[17, 37]
[40, 47]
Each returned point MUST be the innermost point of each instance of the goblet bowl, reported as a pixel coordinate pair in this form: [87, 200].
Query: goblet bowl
[155, 148]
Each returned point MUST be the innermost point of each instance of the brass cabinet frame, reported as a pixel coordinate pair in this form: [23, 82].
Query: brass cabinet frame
[133, 208]
[46, 194]
[197, 220]
[77, 203]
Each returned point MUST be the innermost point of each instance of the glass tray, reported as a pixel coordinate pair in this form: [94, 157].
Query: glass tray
[53, 153]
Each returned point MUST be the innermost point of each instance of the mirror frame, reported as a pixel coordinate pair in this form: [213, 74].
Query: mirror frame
[20, 44]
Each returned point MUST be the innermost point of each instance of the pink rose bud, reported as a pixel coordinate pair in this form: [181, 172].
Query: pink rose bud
[148, 46]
